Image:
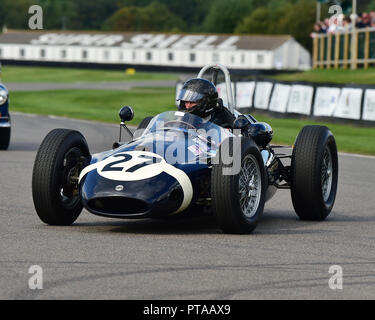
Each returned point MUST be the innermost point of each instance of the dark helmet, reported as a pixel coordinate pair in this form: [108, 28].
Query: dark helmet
[198, 90]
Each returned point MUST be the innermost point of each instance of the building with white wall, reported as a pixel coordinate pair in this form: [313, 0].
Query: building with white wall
[244, 52]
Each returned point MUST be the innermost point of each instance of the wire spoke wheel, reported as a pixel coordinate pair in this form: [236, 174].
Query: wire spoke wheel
[72, 164]
[327, 174]
[314, 170]
[238, 198]
[250, 186]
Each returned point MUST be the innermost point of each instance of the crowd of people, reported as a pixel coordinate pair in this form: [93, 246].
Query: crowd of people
[343, 23]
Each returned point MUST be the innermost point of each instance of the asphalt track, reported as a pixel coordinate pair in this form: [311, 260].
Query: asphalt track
[99, 258]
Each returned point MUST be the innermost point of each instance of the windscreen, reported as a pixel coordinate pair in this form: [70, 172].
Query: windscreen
[188, 123]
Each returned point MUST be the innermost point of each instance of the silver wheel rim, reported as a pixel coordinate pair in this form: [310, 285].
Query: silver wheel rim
[327, 174]
[250, 186]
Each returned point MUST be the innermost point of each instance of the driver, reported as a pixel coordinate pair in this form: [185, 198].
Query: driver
[200, 97]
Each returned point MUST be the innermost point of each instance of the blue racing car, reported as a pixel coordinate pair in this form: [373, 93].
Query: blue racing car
[178, 161]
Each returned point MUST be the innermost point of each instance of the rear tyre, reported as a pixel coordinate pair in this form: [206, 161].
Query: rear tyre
[238, 198]
[60, 158]
[4, 138]
[314, 173]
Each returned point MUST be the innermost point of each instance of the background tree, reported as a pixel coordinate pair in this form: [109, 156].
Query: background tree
[91, 14]
[14, 13]
[192, 12]
[154, 17]
[224, 15]
[371, 7]
[57, 14]
[294, 17]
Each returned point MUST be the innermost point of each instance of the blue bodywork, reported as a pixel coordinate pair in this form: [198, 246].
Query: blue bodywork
[4, 118]
[163, 172]
[4, 108]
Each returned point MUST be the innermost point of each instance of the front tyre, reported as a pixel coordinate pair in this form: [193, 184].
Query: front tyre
[238, 198]
[314, 173]
[60, 158]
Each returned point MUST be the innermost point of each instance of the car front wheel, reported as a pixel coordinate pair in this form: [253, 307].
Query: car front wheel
[60, 158]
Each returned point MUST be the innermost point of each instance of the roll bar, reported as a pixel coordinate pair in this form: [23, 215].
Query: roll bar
[228, 83]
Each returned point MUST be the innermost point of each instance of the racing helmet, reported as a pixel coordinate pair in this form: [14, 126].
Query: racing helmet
[201, 91]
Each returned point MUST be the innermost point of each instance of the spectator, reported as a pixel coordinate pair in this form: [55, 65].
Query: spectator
[366, 20]
[317, 30]
[323, 27]
[345, 23]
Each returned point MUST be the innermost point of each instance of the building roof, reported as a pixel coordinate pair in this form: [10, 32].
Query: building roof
[145, 40]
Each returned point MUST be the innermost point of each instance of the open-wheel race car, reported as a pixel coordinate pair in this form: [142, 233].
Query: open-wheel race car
[178, 161]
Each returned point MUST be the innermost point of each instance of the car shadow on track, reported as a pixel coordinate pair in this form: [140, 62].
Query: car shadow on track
[273, 222]
[188, 225]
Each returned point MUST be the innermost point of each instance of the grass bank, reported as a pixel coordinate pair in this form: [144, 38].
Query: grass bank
[339, 76]
[102, 105]
[50, 74]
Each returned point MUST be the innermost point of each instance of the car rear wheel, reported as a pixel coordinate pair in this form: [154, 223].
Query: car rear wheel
[314, 173]
[238, 197]
[60, 158]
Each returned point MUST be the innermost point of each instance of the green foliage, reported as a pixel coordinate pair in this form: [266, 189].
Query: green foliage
[14, 13]
[91, 14]
[192, 12]
[224, 15]
[258, 22]
[291, 18]
[56, 13]
[154, 17]
[371, 7]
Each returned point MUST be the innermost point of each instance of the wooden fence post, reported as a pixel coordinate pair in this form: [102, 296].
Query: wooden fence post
[322, 52]
[329, 50]
[367, 48]
[337, 50]
[315, 51]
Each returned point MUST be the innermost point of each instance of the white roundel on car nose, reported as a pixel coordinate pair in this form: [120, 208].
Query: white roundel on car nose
[140, 165]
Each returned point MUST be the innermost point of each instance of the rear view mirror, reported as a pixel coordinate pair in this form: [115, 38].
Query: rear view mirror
[126, 114]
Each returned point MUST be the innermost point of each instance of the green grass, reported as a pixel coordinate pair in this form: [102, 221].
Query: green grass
[104, 106]
[50, 74]
[100, 105]
[339, 76]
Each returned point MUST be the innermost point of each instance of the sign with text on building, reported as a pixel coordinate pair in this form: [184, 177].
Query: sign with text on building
[144, 41]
